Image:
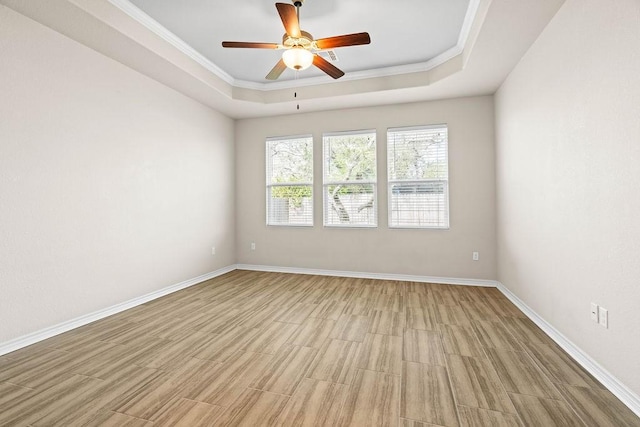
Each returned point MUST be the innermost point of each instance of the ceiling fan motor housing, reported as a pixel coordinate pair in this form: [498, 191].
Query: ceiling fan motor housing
[305, 40]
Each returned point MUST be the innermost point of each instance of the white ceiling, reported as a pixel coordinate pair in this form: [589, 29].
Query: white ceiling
[402, 31]
[490, 42]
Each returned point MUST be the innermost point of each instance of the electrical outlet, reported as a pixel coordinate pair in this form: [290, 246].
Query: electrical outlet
[476, 256]
[603, 316]
[213, 250]
[594, 312]
[253, 246]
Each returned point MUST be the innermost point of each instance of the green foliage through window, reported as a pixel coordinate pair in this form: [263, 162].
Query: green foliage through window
[350, 179]
[290, 181]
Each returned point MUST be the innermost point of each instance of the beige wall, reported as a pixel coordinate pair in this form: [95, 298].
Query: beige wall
[445, 253]
[568, 200]
[111, 185]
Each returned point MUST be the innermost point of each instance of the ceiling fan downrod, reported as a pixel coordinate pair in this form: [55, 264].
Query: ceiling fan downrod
[298, 4]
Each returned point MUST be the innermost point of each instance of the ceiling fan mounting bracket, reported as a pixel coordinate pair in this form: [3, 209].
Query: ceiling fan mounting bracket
[298, 3]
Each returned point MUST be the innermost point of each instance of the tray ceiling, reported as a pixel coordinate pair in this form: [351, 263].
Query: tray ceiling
[403, 32]
[489, 37]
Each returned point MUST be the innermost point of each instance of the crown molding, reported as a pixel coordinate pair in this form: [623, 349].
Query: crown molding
[354, 75]
[154, 26]
[158, 29]
[469, 18]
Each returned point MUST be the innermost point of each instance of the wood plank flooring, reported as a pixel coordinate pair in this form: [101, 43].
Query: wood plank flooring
[270, 349]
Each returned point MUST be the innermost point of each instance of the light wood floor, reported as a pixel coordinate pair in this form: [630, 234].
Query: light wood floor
[259, 349]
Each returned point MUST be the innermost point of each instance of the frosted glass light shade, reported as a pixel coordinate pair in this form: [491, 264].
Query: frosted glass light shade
[297, 58]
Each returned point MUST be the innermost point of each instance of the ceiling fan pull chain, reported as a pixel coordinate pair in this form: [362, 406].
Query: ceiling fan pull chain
[295, 94]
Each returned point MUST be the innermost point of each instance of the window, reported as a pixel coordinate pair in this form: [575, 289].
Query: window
[418, 177]
[290, 181]
[349, 184]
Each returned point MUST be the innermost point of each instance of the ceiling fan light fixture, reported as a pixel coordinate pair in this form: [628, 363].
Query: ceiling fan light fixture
[297, 58]
[299, 46]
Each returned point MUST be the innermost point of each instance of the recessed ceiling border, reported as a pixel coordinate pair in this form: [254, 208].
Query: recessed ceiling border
[161, 31]
[151, 24]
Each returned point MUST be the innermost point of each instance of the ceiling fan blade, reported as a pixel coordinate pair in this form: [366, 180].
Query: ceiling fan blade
[342, 41]
[251, 45]
[289, 17]
[276, 71]
[327, 67]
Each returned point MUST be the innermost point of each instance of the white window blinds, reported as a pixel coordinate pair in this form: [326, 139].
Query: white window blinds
[349, 183]
[290, 181]
[418, 177]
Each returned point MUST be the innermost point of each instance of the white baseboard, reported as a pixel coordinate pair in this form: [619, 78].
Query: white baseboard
[621, 391]
[614, 385]
[380, 276]
[34, 337]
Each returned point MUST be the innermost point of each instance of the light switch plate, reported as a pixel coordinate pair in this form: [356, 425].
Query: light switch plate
[594, 312]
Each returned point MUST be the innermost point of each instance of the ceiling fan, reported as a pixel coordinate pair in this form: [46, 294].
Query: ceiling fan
[300, 48]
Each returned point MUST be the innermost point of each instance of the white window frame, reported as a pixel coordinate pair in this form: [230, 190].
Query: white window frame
[270, 185]
[391, 182]
[326, 183]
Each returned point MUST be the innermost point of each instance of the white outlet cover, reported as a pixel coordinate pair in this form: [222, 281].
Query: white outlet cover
[476, 256]
[603, 316]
